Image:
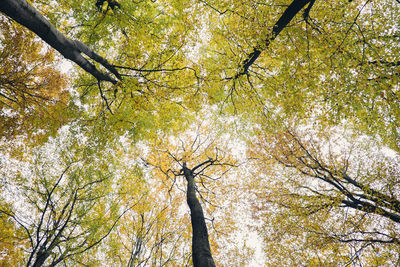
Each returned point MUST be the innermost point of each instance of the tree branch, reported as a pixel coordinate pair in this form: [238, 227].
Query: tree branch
[291, 11]
[23, 13]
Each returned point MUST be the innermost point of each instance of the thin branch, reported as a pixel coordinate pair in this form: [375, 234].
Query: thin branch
[104, 98]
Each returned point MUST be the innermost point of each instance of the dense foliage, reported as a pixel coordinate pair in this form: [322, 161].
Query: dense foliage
[286, 111]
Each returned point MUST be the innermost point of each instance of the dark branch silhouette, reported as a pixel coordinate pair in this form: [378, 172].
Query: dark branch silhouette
[354, 194]
[23, 13]
[291, 11]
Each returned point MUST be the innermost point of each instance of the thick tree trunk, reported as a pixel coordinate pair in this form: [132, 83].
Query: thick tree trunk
[201, 252]
[22, 12]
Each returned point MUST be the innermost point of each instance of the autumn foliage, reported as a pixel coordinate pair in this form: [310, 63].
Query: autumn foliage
[245, 133]
[33, 90]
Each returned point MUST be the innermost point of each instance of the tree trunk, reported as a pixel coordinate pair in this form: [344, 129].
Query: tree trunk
[201, 252]
[41, 258]
[22, 12]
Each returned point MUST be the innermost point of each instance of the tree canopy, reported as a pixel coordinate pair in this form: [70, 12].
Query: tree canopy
[205, 133]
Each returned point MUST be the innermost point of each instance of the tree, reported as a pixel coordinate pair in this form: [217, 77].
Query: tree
[33, 93]
[72, 204]
[289, 74]
[150, 234]
[200, 244]
[290, 12]
[207, 188]
[337, 189]
[321, 72]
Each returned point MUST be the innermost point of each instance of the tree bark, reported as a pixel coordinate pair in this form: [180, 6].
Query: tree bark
[23, 13]
[201, 252]
[41, 258]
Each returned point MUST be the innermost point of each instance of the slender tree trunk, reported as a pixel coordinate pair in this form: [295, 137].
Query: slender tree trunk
[201, 251]
[23, 13]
